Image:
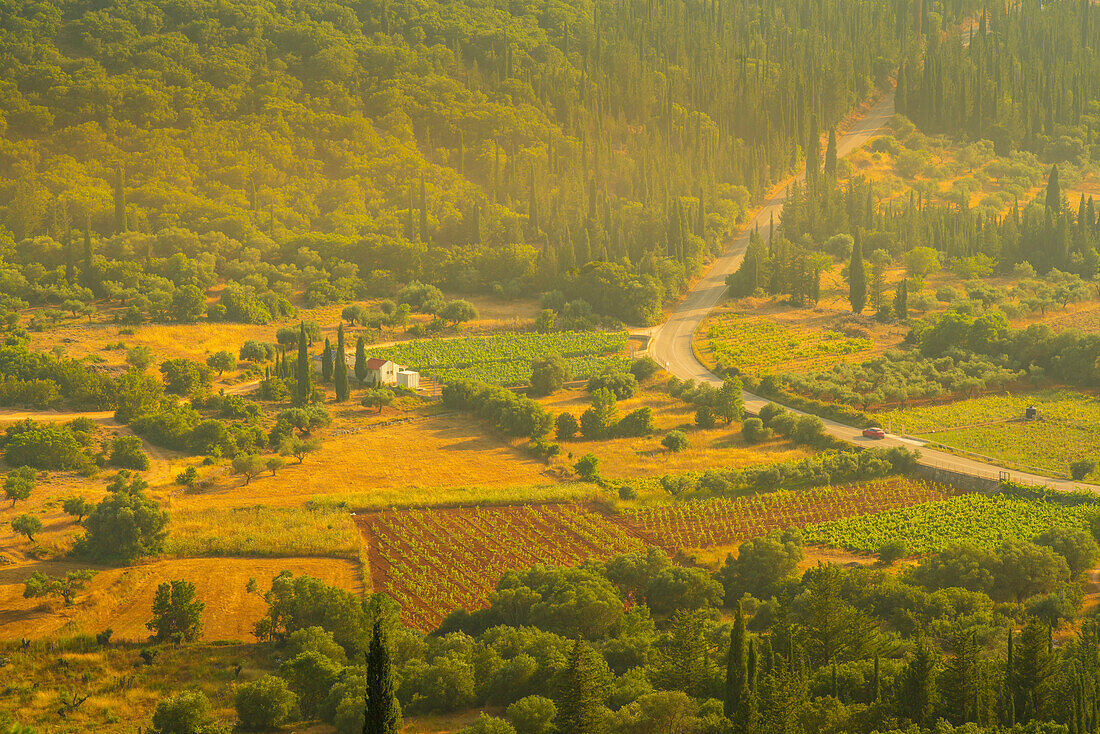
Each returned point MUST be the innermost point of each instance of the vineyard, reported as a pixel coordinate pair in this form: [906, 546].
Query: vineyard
[1067, 428]
[762, 345]
[707, 523]
[976, 519]
[505, 359]
[435, 561]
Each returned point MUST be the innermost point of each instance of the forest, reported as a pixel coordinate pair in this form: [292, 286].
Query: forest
[341, 149]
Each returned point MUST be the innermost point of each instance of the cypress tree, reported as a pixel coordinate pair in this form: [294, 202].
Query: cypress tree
[360, 359]
[916, 685]
[736, 673]
[857, 277]
[830, 157]
[382, 714]
[120, 200]
[302, 371]
[326, 362]
[876, 683]
[87, 274]
[1054, 191]
[70, 258]
[423, 211]
[901, 300]
[340, 368]
[580, 708]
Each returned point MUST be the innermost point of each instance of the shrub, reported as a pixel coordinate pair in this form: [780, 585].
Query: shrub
[188, 712]
[675, 441]
[622, 385]
[704, 417]
[566, 427]
[893, 551]
[127, 453]
[486, 724]
[644, 368]
[43, 446]
[636, 423]
[587, 467]
[1081, 469]
[18, 484]
[548, 375]
[532, 715]
[264, 704]
[753, 430]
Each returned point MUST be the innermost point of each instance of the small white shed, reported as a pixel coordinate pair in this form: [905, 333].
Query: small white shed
[408, 379]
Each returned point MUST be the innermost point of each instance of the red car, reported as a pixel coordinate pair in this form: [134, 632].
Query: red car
[874, 432]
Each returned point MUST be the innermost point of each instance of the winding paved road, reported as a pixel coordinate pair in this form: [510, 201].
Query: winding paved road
[671, 341]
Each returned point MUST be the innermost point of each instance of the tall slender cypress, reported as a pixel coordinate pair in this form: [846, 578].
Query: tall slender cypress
[830, 157]
[326, 362]
[382, 715]
[302, 371]
[736, 673]
[340, 368]
[857, 277]
[360, 359]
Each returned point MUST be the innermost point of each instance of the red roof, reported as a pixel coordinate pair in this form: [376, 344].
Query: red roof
[374, 363]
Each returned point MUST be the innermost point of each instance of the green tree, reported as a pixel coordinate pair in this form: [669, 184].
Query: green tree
[26, 525]
[125, 525]
[458, 311]
[76, 506]
[139, 395]
[566, 426]
[298, 447]
[548, 375]
[901, 301]
[19, 483]
[857, 278]
[737, 683]
[596, 422]
[177, 612]
[222, 361]
[588, 467]
[378, 397]
[326, 362]
[340, 368]
[187, 712]
[128, 452]
[1054, 191]
[729, 404]
[916, 685]
[264, 704]
[581, 703]
[383, 714]
[250, 465]
[67, 586]
[360, 359]
[675, 441]
[302, 371]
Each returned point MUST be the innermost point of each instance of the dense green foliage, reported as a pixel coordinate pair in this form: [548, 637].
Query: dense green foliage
[344, 148]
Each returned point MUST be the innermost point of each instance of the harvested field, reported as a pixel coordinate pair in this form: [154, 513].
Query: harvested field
[121, 599]
[433, 562]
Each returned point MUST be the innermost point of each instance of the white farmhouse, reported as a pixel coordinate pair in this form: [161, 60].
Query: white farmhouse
[381, 371]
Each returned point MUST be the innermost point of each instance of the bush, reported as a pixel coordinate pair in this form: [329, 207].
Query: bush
[127, 453]
[548, 375]
[566, 427]
[255, 351]
[675, 441]
[644, 368]
[188, 712]
[753, 430]
[704, 417]
[587, 467]
[486, 724]
[177, 612]
[893, 551]
[532, 715]
[808, 430]
[264, 704]
[1081, 469]
[622, 385]
[43, 446]
[636, 423]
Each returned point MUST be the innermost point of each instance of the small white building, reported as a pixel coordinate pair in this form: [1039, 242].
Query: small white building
[381, 371]
[408, 379]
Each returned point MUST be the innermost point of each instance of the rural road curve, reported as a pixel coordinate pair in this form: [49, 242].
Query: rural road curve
[671, 341]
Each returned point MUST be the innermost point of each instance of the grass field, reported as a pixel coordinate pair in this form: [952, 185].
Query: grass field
[755, 344]
[433, 562]
[121, 599]
[1067, 429]
[719, 522]
[975, 519]
[263, 531]
[635, 458]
